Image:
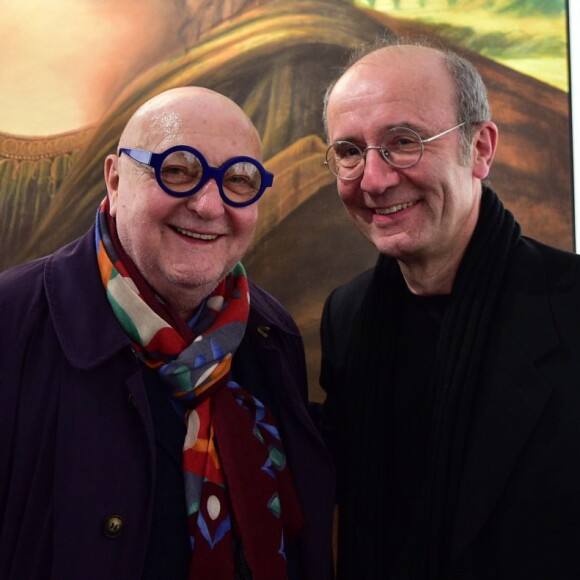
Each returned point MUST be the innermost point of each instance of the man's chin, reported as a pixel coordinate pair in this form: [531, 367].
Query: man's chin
[188, 281]
[396, 246]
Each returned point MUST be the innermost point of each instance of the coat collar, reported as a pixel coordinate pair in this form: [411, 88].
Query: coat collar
[514, 392]
[85, 324]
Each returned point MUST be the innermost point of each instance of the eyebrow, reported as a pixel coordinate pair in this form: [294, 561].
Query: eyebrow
[421, 130]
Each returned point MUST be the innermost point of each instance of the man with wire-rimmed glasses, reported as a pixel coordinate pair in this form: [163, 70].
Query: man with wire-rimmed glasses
[451, 368]
[154, 417]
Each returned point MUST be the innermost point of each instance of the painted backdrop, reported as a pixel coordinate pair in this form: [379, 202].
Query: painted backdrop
[73, 71]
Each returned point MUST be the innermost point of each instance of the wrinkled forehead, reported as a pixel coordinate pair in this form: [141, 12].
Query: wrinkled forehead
[391, 88]
[200, 123]
[398, 74]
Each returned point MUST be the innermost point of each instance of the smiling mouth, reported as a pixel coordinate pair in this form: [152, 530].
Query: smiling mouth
[195, 235]
[394, 208]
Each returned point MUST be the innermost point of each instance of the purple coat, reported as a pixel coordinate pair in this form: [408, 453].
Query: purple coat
[76, 433]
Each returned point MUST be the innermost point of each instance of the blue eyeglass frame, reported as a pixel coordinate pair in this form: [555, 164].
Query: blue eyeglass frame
[155, 160]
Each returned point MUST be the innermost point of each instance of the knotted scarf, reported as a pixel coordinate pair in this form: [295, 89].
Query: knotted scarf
[460, 360]
[237, 485]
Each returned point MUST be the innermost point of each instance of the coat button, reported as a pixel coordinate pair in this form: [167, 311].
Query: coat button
[113, 526]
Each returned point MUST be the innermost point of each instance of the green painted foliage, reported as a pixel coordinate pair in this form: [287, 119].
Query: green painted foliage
[530, 7]
[505, 44]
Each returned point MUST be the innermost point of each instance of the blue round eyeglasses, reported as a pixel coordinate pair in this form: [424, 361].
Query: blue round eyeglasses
[182, 171]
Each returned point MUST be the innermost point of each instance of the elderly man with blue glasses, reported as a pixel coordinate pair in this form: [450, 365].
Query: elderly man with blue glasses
[154, 421]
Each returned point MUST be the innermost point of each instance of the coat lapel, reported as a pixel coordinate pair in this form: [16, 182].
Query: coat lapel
[512, 397]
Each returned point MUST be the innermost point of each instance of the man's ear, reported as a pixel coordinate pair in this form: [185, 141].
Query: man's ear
[112, 181]
[485, 139]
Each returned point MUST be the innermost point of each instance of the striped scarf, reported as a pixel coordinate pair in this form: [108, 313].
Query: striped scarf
[235, 474]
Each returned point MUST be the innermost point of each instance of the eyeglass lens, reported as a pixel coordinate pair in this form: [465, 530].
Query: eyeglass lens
[400, 147]
[181, 171]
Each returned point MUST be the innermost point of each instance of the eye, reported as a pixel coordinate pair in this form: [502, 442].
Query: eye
[401, 140]
[243, 178]
[239, 180]
[181, 167]
[178, 173]
[346, 150]
[404, 140]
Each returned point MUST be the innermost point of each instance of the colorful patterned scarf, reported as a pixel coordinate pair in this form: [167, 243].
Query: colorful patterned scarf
[238, 489]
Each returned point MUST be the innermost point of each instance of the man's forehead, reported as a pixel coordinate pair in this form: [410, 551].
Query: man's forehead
[204, 115]
[395, 61]
[404, 52]
[395, 73]
[169, 121]
[154, 128]
[217, 137]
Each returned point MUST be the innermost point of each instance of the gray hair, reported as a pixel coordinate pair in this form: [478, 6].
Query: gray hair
[471, 93]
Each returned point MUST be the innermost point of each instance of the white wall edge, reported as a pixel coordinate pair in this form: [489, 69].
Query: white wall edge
[574, 40]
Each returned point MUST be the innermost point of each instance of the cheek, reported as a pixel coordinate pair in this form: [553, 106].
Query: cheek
[124, 206]
[348, 192]
[139, 220]
[147, 205]
[244, 222]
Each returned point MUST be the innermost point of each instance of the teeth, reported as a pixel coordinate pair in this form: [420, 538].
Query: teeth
[394, 208]
[196, 236]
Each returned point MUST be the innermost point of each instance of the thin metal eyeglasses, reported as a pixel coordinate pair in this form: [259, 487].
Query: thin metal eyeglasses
[401, 147]
[182, 171]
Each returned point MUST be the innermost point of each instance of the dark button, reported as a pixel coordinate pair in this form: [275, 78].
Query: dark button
[113, 526]
[264, 330]
[132, 400]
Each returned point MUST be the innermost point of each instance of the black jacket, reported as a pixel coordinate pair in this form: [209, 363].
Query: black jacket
[518, 507]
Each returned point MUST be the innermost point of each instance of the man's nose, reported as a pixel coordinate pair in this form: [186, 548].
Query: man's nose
[378, 174]
[207, 202]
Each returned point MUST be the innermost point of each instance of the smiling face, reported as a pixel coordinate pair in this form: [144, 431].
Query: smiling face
[422, 215]
[182, 246]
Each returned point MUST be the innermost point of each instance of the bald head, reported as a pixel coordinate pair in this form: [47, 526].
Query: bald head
[415, 57]
[178, 111]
